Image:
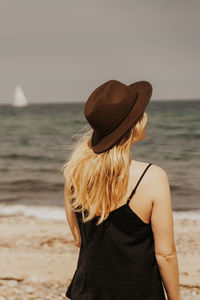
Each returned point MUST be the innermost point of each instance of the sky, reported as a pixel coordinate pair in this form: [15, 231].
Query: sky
[61, 50]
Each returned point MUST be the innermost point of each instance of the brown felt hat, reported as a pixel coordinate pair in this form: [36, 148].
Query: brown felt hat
[114, 107]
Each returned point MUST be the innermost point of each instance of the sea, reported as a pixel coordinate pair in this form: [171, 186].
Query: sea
[36, 141]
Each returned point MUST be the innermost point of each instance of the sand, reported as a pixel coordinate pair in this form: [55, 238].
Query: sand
[38, 258]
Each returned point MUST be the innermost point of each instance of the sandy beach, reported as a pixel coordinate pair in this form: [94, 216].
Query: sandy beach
[38, 257]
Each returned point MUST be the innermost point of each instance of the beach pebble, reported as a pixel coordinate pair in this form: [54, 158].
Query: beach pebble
[30, 290]
[12, 283]
[33, 278]
[13, 298]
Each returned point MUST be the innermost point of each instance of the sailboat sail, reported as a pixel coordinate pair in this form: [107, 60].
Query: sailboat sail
[19, 97]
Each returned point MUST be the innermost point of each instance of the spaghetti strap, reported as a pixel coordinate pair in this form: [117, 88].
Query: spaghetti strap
[134, 190]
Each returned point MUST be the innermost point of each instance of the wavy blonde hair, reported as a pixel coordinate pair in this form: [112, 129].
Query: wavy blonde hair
[97, 182]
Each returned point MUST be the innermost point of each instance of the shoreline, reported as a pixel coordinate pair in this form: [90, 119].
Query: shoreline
[58, 213]
[38, 257]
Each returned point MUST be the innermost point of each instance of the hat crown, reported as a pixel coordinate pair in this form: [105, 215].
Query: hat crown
[107, 106]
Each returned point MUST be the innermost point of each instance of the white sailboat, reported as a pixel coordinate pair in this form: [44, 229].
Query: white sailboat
[19, 97]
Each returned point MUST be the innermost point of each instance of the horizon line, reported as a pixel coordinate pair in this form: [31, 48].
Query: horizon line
[82, 102]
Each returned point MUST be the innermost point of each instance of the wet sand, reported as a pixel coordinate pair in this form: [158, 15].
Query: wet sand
[38, 258]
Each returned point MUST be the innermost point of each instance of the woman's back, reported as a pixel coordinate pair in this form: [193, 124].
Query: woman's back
[117, 258]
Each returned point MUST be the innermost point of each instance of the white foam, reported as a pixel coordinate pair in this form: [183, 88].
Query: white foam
[58, 213]
[40, 212]
[190, 214]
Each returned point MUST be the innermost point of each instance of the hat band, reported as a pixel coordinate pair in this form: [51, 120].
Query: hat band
[122, 119]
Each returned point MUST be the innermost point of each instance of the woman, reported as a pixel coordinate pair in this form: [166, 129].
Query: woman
[119, 210]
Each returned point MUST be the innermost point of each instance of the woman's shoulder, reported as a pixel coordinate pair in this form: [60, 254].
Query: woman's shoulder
[155, 181]
[154, 170]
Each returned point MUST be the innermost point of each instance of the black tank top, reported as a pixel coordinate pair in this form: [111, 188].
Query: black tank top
[116, 259]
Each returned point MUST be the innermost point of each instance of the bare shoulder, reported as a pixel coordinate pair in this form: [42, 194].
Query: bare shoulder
[159, 184]
[154, 171]
[158, 173]
[155, 179]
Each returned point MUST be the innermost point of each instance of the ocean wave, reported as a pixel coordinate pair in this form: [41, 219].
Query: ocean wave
[26, 157]
[30, 185]
[40, 212]
[32, 170]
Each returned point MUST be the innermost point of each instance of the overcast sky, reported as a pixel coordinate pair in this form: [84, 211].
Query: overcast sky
[61, 50]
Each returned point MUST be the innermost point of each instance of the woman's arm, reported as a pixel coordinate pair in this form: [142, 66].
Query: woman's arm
[72, 220]
[163, 231]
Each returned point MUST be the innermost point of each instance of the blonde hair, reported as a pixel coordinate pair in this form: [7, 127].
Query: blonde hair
[97, 182]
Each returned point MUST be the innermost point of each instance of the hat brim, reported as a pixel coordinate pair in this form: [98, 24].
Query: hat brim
[144, 90]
